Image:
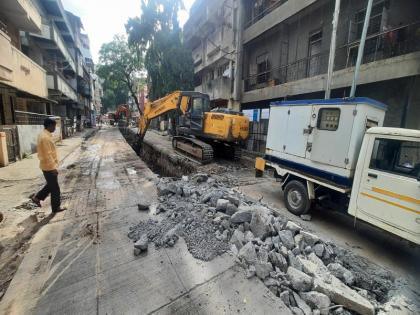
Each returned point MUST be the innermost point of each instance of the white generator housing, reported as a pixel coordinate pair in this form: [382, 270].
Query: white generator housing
[321, 138]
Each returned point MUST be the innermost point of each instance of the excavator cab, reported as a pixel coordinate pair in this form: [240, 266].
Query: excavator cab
[199, 104]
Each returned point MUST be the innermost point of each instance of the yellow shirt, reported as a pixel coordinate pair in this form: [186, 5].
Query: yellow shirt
[47, 152]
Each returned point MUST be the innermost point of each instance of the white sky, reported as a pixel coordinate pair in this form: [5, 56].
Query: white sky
[102, 19]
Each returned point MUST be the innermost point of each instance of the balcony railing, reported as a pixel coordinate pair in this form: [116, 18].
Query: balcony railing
[265, 8]
[396, 42]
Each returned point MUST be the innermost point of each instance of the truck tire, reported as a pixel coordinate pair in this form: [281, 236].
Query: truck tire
[296, 197]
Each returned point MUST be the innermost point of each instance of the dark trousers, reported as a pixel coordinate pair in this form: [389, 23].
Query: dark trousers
[52, 188]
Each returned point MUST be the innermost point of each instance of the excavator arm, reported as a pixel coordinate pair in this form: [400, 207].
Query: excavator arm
[171, 102]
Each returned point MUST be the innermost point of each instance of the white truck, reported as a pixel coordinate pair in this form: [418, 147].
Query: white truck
[335, 152]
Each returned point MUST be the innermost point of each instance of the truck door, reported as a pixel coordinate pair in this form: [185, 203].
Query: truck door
[390, 188]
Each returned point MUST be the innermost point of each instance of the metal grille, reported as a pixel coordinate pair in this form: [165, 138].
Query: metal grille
[27, 118]
[396, 42]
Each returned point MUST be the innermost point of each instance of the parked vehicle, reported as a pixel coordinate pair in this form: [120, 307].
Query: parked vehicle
[335, 152]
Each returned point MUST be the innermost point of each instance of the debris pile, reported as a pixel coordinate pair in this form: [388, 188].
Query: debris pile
[309, 275]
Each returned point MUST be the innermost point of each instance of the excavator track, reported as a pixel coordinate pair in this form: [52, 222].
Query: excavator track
[194, 148]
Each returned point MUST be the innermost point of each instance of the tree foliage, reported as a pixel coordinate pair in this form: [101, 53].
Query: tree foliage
[120, 66]
[157, 34]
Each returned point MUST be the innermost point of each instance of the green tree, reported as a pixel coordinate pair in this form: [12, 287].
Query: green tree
[120, 66]
[156, 34]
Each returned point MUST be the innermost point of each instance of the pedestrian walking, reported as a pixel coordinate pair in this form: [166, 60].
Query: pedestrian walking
[48, 162]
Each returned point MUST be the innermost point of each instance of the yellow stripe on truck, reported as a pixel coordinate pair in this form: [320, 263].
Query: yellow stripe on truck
[395, 195]
[390, 203]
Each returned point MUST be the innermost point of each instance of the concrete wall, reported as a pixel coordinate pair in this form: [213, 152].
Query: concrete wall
[28, 135]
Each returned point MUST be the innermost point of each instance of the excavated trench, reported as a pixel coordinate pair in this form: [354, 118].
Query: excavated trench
[159, 159]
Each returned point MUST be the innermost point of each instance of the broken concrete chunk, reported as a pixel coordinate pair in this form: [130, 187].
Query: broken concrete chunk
[310, 239]
[302, 304]
[238, 239]
[285, 297]
[292, 226]
[241, 216]
[286, 237]
[278, 260]
[341, 273]
[300, 281]
[262, 255]
[249, 236]
[317, 300]
[200, 178]
[263, 269]
[248, 253]
[144, 205]
[221, 205]
[269, 282]
[341, 294]
[142, 243]
[297, 311]
[137, 251]
[293, 261]
[250, 272]
[319, 249]
[259, 226]
[233, 200]
[231, 209]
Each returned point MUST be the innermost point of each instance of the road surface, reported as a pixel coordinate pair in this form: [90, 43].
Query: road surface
[82, 262]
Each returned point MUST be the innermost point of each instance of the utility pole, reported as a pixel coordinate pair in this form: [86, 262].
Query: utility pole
[361, 48]
[237, 90]
[331, 58]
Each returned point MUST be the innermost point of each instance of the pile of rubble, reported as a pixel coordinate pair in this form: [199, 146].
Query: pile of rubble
[296, 265]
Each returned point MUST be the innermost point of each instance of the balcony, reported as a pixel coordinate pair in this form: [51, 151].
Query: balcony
[60, 89]
[19, 71]
[270, 15]
[379, 48]
[21, 13]
[50, 32]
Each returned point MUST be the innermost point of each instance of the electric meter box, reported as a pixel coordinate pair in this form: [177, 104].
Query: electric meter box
[321, 138]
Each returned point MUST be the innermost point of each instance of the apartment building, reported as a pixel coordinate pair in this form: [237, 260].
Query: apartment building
[286, 50]
[23, 82]
[42, 71]
[282, 47]
[212, 34]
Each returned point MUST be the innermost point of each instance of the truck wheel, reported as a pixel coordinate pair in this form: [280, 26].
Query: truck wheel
[296, 197]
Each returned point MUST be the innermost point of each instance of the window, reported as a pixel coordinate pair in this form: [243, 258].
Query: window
[263, 68]
[328, 119]
[375, 21]
[200, 105]
[396, 156]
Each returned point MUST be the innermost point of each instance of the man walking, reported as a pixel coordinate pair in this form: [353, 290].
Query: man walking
[48, 162]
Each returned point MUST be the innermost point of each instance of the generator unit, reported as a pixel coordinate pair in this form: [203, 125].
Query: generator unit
[321, 138]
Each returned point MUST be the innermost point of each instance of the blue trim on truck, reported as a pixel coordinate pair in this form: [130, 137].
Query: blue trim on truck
[333, 101]
[309, 171]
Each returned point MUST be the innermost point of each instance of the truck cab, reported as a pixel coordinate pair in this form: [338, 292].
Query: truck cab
[386, 187]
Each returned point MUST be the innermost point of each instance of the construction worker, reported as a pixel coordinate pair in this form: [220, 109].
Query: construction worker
[47, 154]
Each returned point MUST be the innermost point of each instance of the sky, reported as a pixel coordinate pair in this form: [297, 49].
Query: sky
[102, 19]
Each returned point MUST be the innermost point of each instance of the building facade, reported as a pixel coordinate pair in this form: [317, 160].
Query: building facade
[43, 71]
[284, 52]
[212, 34]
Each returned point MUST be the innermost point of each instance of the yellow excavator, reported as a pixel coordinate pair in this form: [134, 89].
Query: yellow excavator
[198, 131]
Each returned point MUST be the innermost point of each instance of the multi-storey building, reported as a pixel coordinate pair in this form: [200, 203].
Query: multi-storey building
[42, 70]
[284, 50]
[211, 33]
